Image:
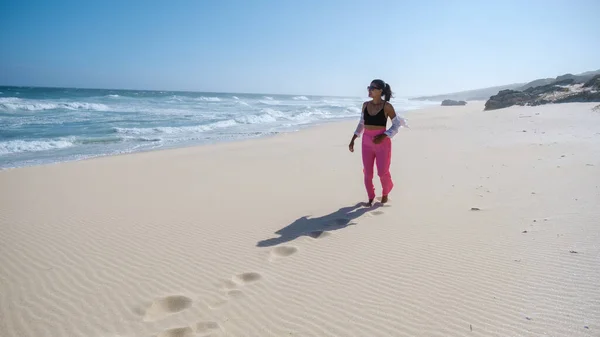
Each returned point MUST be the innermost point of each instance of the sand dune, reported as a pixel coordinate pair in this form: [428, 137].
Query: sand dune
[268, 237]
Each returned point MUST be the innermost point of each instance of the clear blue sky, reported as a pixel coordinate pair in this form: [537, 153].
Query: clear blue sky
[300, 47]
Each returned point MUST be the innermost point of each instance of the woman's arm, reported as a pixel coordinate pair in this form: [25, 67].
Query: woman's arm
[359, 129]
[361, 124]
[397, 121]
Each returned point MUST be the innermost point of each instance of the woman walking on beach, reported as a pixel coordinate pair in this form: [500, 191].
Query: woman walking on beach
[376, 142]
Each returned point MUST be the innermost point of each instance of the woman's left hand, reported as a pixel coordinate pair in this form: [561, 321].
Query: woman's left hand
[378, 139]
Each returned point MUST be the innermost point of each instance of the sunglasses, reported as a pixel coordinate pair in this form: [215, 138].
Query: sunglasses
[371, 88]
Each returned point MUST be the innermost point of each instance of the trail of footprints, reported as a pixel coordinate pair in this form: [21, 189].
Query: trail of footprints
[166, 306]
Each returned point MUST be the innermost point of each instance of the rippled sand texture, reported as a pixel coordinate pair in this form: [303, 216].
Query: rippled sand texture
[493, 229]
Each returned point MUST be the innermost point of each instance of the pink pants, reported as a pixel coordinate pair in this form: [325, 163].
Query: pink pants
[381, 154]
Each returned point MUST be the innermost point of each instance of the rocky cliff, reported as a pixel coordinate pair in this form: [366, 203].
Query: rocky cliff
[566, 89]
[485, 93]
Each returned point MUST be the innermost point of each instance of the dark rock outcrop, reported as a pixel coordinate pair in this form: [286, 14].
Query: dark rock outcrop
[579, 78]
[593, 83]
[506, 98]
[549, 88]
[449, 102]
[582, 96]
[566, 90]
[485, 93]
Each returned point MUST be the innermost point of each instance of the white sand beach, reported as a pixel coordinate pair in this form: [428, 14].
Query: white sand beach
[266, 237]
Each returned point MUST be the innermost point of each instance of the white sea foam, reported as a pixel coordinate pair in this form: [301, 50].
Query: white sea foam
[256, 119]
[303, 116]
[269, 102]
[209, 99]
[10, 99]
[84, 106]
[95, 125]
[176, 129]
[273, 112]
[17, 146]
[14, 103]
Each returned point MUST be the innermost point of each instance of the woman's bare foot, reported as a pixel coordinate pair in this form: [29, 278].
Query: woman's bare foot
[384, 199]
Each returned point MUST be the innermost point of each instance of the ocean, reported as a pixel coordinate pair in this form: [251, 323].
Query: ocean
[50, 125]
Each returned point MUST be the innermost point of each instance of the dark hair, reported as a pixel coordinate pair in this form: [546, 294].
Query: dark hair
[387, 90]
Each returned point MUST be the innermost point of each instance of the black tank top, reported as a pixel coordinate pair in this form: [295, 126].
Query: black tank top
[378, 119]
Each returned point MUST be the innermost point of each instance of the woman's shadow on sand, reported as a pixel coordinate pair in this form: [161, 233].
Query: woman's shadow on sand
[316, 227]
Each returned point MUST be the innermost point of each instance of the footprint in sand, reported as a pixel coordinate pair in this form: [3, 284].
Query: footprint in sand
[217, 304]
[283, 251]
[227, 285]
[166, 306]
[235, 293]
[177, 332]
[230, 288]
[199, 328]
[205, 327]
[246, 278]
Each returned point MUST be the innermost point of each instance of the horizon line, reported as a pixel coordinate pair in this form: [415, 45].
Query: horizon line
[163, 90]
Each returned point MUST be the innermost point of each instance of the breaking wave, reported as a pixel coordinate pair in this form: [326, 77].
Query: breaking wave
[39, 125]
[17, 146]
[14, 103]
